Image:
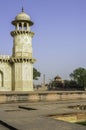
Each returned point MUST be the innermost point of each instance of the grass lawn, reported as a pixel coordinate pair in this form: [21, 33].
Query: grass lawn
[81, 123]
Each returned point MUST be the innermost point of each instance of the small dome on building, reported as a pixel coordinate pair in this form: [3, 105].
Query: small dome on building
[58, 78]
[22, 16]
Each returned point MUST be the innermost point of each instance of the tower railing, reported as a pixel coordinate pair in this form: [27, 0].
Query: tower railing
[5, 56]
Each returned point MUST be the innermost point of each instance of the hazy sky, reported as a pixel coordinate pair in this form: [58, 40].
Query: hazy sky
[59, 44]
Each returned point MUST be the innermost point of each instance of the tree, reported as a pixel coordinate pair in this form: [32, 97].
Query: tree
[79, 75]
[36, 74]
[70, 85]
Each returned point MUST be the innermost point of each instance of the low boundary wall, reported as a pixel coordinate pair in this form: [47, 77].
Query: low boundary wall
[11, 97]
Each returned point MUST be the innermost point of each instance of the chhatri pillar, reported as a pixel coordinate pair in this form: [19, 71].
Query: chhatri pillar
[22, 60]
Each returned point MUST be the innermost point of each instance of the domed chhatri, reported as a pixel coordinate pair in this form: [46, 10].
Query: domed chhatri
[22, 17]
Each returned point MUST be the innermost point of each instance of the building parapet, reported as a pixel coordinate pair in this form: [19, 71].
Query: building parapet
[5, 56]
[10, 59]
[21, 59]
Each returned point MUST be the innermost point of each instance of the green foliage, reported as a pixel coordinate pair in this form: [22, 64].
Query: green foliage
[77, 82]
[79, 75]
[36, 74]
[70, 85]
[81, 123]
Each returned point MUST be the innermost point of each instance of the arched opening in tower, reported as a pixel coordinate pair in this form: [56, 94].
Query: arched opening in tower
[1, 79]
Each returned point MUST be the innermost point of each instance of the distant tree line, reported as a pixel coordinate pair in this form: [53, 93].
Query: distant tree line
[77, 81]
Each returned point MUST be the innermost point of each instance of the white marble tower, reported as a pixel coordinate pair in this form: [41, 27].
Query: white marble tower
[16, 71]
[22, 60]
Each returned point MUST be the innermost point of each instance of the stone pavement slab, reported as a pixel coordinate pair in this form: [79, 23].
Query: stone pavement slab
[37, 119]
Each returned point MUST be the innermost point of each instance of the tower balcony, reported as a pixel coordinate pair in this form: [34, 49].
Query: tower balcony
[19, 32]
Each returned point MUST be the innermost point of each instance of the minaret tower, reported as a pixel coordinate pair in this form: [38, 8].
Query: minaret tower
[22, 60]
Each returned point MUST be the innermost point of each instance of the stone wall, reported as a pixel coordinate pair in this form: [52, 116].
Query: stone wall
[22, 76]
[5, 76]
[8, 97]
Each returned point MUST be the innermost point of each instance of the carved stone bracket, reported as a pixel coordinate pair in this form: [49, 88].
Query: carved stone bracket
[17, 32]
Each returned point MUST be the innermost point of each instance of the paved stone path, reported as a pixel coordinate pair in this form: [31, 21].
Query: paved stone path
[35, 116]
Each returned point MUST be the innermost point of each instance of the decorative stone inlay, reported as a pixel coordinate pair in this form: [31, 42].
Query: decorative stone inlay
[23, 39]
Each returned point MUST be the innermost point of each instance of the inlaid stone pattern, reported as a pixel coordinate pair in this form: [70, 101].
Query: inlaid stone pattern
[22, 39]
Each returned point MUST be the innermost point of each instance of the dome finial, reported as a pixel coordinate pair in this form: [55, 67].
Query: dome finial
[22, 9]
